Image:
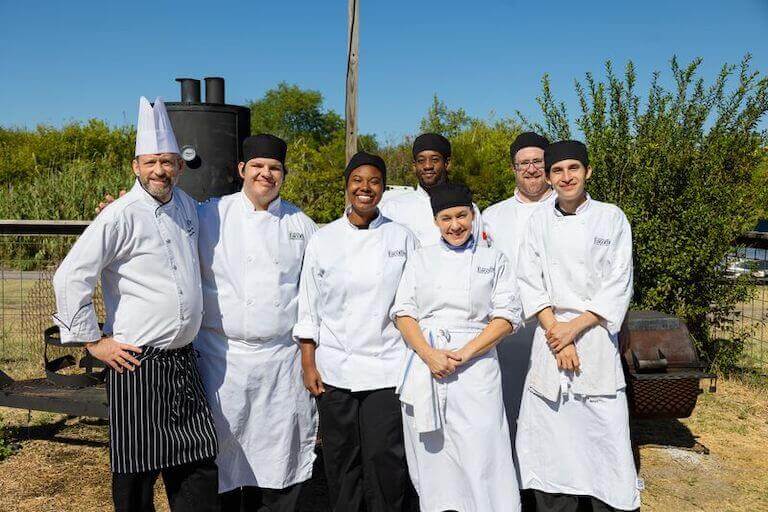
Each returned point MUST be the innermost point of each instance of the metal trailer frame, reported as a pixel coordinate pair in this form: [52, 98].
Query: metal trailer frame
[40, 394]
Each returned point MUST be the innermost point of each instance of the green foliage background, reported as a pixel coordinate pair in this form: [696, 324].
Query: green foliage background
[686, 163]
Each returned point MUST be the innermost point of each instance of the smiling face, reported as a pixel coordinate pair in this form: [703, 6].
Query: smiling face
[262, 179]
[364, 189]
[431, 168]
[158, 173]
[455, 224]
[530, 178]
[568, 178]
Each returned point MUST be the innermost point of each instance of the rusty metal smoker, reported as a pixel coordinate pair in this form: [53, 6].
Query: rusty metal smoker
[661, 366]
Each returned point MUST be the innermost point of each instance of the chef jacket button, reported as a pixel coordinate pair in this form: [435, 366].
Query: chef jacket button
[275, 262]
[174, 267]
[167, 240]
[250, 302]
[250, 259]
[276, 303]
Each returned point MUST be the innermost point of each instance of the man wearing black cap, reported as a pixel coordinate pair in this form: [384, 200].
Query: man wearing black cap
[575, 276]
[251, 251]
[431, 163]
[504, 224]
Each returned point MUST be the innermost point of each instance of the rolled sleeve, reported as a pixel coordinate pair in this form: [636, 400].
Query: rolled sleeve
[405, 298]
[308, 324]
[530, 274]
[611, 301]
[505, 300]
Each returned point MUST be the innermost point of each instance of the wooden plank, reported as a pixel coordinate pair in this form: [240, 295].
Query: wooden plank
[40, 395]
[353, 26]
[43, 227]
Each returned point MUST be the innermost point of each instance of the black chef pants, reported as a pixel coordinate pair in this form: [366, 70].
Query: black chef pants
[362, 436]
[548, 502]
[190, 487]
[258, 499]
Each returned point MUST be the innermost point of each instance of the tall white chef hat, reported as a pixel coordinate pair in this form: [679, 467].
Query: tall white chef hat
[154, 133]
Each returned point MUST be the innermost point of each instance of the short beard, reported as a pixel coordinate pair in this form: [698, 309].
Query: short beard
[528, 192]
[159, 194]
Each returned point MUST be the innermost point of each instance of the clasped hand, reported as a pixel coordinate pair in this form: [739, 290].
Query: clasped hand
[441, 363]
[560, 338]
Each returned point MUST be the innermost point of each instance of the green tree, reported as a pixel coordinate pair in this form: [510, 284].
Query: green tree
[294, 113]
[687, 167]
[440, 119]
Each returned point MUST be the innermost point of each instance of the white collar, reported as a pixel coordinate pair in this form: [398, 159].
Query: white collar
[518, 197]
[148, 198]
[421, 192]
[376, 222]
[581, 209]
[273, 208]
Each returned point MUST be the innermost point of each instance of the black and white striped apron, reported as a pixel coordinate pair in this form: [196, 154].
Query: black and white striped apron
[158, 414]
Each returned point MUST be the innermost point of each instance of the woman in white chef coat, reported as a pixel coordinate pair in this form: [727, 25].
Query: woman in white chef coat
[455, 302]
[351, 350]
[575, 276]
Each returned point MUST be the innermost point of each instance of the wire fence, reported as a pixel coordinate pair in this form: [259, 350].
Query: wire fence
[30, 252]
[27, 264]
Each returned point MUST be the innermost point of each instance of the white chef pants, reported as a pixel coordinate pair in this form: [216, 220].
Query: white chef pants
[467, 465]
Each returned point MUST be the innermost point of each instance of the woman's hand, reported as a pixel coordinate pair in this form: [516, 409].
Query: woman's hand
[568, 359]
[465, 354]
[441, 363]
[312, 379]
[561, 335]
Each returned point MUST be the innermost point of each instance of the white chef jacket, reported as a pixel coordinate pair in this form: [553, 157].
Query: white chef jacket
[251, 368]
[505, 223]
[413, 210]
[146, 255]
[577, 263]
[250, 265]
[347, 287]
[450, 287]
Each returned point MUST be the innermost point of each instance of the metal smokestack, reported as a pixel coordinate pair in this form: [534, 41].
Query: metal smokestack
[190, 90]
[214, 90]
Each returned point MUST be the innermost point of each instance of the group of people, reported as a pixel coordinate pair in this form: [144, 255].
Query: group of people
[443, 358]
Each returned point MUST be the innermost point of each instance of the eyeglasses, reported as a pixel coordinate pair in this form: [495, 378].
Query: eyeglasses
[525, 164]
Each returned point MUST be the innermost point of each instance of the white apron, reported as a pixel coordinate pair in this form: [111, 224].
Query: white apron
[573, 428]
[588, 433]
[466, 464]
[241, 379]
[251, 368]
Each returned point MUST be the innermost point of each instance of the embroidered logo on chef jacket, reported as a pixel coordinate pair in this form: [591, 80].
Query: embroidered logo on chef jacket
[486, 270]
[397, 253]
[602, 241]
[293, 235]
[190, 228]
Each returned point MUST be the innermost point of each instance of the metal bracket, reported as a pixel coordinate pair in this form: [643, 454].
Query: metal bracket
[5, 379]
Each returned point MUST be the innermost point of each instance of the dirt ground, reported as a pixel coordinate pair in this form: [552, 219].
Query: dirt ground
[62, 463]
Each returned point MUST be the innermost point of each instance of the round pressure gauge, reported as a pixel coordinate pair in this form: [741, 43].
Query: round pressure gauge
[188, 153]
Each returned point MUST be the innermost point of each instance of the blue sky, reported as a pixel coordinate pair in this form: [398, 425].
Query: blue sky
[73, 60]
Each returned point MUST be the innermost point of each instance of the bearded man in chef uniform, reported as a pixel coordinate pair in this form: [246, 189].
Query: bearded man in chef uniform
[505, 223]
[575, 276]
[251, 253]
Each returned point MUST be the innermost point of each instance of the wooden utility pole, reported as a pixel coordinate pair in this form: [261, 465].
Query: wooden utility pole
[353, 25]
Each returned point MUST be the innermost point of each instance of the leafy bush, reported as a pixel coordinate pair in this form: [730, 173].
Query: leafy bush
[685, 165]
